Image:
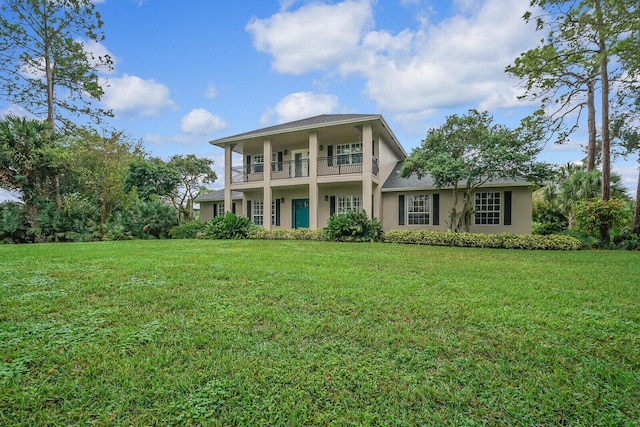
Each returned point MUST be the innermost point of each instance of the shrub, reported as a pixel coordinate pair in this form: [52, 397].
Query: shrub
[188, 230]
[353, 226]
[505, 240]
[597, 217]
[13, 223]
[228, 226]
[286, 234]
[144, 220]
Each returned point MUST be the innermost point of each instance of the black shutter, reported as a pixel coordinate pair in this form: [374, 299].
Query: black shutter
[330, 155]
[507, 208]
[332, 205]
[233, 207]
[248, 165]
[215, 210]
[436, 209]
[401, 209]
[248, 215]
[277, 212]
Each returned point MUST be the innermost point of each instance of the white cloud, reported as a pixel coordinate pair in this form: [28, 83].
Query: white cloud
[314, 37]
[16, 110]
[201, 122]
[130, 96]
[97, 53]
[300, 105]
[457, 62]
[211, 92]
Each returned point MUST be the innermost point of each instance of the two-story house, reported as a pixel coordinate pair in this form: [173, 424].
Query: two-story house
[300, 173]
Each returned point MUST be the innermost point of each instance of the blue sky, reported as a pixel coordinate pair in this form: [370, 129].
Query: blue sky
[191, 71]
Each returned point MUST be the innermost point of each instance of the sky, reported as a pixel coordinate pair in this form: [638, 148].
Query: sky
[191, 71]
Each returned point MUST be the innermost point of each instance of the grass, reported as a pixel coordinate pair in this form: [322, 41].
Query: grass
[313, 333]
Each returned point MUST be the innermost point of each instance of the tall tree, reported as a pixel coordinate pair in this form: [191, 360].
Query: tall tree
[583, 37]
[470, 151]
[195, 173]
[152, 178]
[26, 161]
[46, 67]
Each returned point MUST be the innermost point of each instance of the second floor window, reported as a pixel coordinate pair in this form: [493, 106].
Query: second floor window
[349, 153]
[258, 163]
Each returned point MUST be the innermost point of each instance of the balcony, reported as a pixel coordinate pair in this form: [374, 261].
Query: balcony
[333, 165]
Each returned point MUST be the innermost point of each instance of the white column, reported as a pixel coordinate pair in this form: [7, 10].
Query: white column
[228, 166]
[367, 168]
[267, 184]
[313, 180]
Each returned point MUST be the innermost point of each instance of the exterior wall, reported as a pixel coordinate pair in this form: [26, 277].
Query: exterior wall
[521, 209]
[206, 209]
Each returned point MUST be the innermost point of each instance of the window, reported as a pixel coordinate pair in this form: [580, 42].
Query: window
[258, 162]
[274, 213]
[220, 211]
[348, 203]
[349, 153]
[258, 212]
[487, 208]
[418, 209]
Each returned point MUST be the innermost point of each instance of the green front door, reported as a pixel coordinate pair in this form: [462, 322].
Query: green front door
[300, 213]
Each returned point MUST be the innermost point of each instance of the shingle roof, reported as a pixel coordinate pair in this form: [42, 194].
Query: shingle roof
[216, 196]
[322, 120]
[396, 182]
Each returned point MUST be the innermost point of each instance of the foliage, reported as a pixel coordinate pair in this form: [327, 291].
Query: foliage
[261, 233]
[151, 177]
[26, 163]
[47, 64]
[596, 216]
[13, 224]
[188, 230]
[194, 174]
[229, 226]
[99, 165]
[547, 218]
[470, 151]
[250, 333]
[144, 220]
[503, 241]
[353, 226]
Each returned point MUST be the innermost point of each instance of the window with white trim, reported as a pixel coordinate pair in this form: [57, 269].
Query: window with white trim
[348, 203]
[257, 206]
[487, 208]
[349, 153]
[418, 209]
[258, 162]
[273, 212]
[220, 207]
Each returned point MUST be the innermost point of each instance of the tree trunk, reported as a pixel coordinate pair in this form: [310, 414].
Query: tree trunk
[591, 107]
[636, 214]
[604, 77]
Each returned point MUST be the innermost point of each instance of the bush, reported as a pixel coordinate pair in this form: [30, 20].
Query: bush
[228, 226]
[286, 234]
[188, 230]
[505, 240]
[597, 217]
[13, 223]
[353, 226]
[150, 219]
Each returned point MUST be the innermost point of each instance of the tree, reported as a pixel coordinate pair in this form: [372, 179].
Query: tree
[194, 173]
[45, 66]
[26, 161]
[99, 164]
[584, 36]
[152, 177]
[470, 151]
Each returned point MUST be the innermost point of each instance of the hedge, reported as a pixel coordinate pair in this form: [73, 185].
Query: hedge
[286, 234]
[469, 240]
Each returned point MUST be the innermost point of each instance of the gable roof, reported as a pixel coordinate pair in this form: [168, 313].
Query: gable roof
[397, 183]
[311, 123]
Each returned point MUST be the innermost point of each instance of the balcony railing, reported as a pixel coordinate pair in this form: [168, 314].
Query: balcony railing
[333, 165]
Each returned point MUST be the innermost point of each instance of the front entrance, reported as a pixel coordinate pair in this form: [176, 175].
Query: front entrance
[300, 213]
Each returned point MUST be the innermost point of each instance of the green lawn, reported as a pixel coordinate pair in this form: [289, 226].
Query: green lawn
[313, 333]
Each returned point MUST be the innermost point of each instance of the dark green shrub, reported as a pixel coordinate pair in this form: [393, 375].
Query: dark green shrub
[13, 223]
[353, 226]
[188, 230]
[505, 240]
[287, 234]
[228, 226]
[144, 220]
